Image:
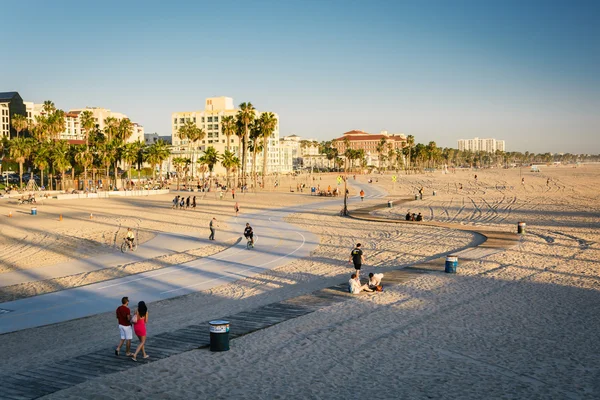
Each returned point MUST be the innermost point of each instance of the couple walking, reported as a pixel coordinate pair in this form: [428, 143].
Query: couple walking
[139, 320]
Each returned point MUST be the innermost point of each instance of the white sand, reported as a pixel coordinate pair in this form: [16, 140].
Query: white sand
[518, 324]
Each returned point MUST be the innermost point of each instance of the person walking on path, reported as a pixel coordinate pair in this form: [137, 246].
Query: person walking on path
[233, 193]
[194, 203]
[357, 258]
[362, 195]
[236, 208]
[187, 203]
[124, 318]
[212, 226]
[140, 320]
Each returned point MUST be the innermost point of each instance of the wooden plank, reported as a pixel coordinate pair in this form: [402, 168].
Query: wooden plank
[28, 388]
[61, 376]
[77, 371]
[9, 392]
[39, 379]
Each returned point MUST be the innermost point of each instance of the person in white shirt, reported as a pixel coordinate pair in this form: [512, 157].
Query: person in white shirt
[375, 280]
[355, 286]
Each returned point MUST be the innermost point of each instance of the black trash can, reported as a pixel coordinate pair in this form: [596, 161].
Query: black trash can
[521, 228]
[390, 204]
[219, 335]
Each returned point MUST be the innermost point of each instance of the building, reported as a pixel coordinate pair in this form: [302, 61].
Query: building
[73, 132]
[368, 142]
[11, 103]
[477, 144]
[304, 152]
[150, 138]
[210, 120]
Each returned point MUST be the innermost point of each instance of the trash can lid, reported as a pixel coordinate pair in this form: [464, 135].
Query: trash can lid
[219, 322]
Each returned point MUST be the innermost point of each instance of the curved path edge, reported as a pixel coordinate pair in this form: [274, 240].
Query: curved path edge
[494, 241]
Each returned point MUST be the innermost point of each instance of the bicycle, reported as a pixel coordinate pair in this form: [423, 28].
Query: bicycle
[249, 243]
[125, 246]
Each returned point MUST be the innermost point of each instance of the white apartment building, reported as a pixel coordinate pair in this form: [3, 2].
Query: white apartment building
[305, 152]
[477, 144]
[210, 120]
[73, 130]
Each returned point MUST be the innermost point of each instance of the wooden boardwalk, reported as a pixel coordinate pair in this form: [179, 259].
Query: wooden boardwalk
[50, 378]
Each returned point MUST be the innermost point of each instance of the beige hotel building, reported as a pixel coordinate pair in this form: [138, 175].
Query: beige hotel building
[210, 120]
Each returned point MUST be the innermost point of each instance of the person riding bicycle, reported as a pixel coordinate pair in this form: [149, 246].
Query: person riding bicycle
[249, 234]
[130, 238]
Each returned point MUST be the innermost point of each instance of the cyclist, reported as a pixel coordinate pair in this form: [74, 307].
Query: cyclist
[130, 238]
[249, 234]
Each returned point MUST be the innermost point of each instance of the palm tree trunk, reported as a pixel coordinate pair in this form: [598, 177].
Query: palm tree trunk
[265, 160]
[41, 177]
[20, 174]
[85, 183]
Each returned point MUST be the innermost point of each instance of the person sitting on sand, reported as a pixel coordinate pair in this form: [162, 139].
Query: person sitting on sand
[413, 217]
[355, 287]
[408, 216]
[375, 281]
[419, 217]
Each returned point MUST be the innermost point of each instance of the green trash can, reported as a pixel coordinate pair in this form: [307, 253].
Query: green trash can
[219, 335]
[451, 264]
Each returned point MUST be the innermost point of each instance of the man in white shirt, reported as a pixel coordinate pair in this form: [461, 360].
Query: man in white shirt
[355, 286]
[375, 280]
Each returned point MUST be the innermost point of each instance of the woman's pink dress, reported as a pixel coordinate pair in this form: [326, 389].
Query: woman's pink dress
[140, 327]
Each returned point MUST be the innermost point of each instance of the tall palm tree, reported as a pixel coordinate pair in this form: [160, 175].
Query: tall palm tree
[111, 127]
[268, 123]
[254, 146]
[229, 161]
[48, 107]
[229, 129]
[245, 115]
[19, 122]
[124, 129]
[410, 142]
[88, 125]
[380, 149]
[20, 150]
[60, 158]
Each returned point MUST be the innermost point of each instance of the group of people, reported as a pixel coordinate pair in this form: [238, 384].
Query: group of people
[355, 286]
[182, 203]
[413, 216]
[130, 323]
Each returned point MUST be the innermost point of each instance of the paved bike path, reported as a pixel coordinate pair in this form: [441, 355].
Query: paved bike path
[277, 243]
[162, 244]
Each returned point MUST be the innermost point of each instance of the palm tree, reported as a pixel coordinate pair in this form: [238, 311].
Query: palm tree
[84, 158]
[268, 123]
[156, 154]
[254, 146]
[20, 150]
[60, 158]
[88, 125]
[210, 159]
[108, 154]
[228, 125]
[48, 107]
[111, 127]
[129, 154]
[124, 129]
[19, 122]
[229, 161]
[40, 157]
[410, 142]
[245, 115]
[181, 165]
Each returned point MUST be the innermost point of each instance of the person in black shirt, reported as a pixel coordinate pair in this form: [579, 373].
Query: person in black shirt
[249, 234]
[408, 216]
[356, 257]
[419, 217]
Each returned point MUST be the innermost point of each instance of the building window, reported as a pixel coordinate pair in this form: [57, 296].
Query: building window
[216, 119]
[209, 119]
[194, 119]
[202, 119]
[181, 120]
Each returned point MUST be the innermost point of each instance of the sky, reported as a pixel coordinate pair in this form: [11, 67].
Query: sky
[523, 71]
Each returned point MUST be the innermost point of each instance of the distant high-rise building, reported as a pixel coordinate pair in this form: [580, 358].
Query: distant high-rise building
[477, 144]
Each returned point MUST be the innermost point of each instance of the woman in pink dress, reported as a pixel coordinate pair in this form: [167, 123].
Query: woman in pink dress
[139, 327]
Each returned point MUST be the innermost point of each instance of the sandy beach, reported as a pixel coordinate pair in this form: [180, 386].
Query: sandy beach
[517, 324]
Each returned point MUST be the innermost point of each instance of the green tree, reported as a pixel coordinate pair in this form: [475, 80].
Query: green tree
[156, 154]
[245, 115]
[60, 158]
[181, 165]
[40, 158]
[19, 122]
[229, 129]
[410, 142]
[229, 161]
[20, 150]
[268, 124]
[210, 158]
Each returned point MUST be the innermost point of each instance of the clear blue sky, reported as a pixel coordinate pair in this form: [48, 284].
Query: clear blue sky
[524, 71]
